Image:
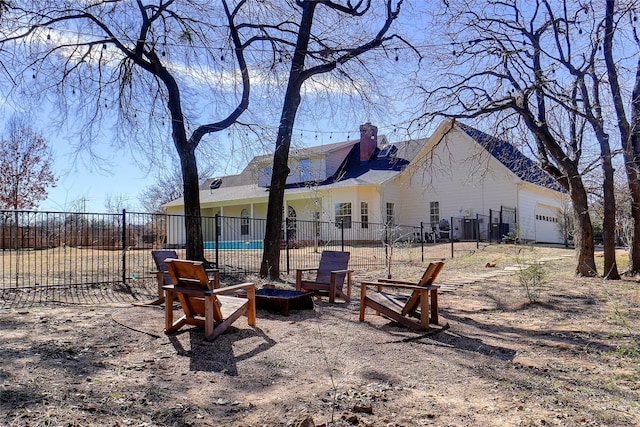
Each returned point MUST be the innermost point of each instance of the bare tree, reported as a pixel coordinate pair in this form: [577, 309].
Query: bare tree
[315, 38]
[25, 166]
[166, 187]
[147, 60]
[529, 66]
[618, 19]
[115, 203]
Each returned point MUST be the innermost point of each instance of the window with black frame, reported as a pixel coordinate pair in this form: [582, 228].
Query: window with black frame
[343, 214]
[364, 215]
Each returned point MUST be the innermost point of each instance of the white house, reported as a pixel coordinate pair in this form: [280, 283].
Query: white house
[458, 173]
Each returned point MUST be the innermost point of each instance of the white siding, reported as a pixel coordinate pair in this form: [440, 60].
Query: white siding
[334, 159]
[547, 224]
[535, 200]
[461, 176]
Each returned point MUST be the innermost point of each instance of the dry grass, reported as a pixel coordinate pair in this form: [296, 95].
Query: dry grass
[569, 360]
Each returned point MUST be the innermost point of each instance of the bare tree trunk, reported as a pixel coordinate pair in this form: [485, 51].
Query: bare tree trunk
[609, 222]
[629, 134]
[594, 117]
[632, 166]
[186, 151]
[297, 75]
[192, 219]
[583, 229]
[570, 178]
[270, 266]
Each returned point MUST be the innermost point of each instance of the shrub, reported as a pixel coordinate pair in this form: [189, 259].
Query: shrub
[532, 278]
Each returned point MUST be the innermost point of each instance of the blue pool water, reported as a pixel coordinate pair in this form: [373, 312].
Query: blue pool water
[234, 244]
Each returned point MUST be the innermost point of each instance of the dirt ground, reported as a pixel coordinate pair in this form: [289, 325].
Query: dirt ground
[570, 359]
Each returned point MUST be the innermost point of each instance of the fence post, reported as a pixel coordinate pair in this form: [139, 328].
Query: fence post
[216, 232]
[286, 239]
[477, 231]
[422, 239]
[490, 225]
[124, 245]
[342, 234]
[451, 235]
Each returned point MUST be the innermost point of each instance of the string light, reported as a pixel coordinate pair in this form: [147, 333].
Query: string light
[425, 46]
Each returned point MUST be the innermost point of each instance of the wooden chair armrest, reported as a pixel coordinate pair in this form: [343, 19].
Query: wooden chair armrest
[233, 288]
[188, 291]
[402, 282]
[400, 285]
[341, 271]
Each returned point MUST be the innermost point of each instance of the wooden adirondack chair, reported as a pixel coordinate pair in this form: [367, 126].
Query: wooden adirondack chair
[331, 275]
[415, 311]
[162, 274]
[203, 302]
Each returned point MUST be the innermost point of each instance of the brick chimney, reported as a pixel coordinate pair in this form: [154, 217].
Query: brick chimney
[368, 140]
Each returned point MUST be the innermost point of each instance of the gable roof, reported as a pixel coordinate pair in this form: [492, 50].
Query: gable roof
[351, 172]
[512, 158]
[305, 152]
[384, 164]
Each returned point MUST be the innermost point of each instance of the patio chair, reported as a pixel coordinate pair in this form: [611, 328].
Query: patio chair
[331, 275]
[162, 275]
[414, 311]
[203, 302]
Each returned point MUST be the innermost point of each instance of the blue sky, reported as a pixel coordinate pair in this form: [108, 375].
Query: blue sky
[78, 183]
[86, 183]
[81, 183]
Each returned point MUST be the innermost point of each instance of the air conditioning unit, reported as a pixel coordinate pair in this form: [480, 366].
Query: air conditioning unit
[467, 212]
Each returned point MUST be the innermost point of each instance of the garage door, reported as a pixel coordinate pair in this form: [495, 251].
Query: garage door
[547, 224]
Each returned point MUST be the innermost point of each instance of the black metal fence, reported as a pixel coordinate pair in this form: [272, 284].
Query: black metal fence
[495, 227]
[55, 249]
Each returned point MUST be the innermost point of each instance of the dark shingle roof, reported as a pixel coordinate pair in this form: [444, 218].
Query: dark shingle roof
[353, 167]
[525, 168]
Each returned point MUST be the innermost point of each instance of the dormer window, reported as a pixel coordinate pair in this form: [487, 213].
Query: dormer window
[215, 183]
[305, 170]
[387, 151]
[264, 177]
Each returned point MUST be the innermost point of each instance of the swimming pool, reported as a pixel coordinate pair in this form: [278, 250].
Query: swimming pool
[234, 244]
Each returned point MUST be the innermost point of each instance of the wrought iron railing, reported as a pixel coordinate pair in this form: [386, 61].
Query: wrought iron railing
[54, 249]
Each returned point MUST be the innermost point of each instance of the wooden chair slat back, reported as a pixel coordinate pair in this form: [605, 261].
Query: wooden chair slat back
[159, 255]
[431, 273]
[188, 274]
[332, 261]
